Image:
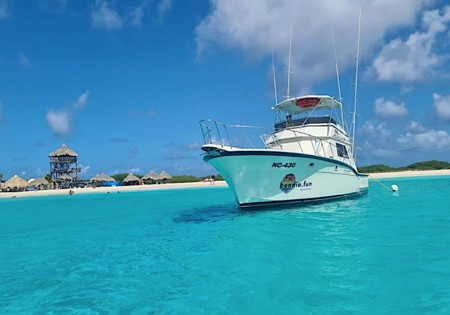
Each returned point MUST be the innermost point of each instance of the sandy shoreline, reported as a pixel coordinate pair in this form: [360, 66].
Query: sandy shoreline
[109, 189]
[191, 185]
[410, 174]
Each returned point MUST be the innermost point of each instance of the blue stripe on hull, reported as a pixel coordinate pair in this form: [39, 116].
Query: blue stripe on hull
[277, 203]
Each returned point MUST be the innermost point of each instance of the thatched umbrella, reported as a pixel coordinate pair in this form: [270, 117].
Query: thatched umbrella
[131, 180]
[164, 176]
[151, 177]
[102, 178]
[38, 183]
[15, 183]
[63, 151]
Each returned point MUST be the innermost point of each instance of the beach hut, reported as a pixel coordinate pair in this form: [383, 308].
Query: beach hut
[164, 176]
[15, 183]
[150, 178]
[131, 180]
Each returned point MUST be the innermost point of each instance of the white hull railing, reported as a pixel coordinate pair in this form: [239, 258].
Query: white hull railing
[232, 136]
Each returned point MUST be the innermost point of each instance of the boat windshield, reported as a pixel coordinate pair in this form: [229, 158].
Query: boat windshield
[289, 122]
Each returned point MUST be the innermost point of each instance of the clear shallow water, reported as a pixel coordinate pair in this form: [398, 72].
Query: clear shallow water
[194, 252]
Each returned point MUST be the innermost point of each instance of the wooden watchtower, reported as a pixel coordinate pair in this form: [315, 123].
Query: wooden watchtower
[64, 167]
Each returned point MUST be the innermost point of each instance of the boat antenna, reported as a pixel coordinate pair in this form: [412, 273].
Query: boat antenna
[337, 75]
[356, 87]
[274, 80]
[289, 66]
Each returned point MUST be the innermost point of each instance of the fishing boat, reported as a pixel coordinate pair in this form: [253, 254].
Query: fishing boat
[308, 157]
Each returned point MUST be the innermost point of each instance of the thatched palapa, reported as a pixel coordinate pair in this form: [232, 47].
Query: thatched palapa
[102, 178]
[164, 176]
[63, 151]
[38, 183]
[131, 180]
[15, 183]
[150, 178]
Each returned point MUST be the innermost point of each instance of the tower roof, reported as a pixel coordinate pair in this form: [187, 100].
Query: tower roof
[63, 151]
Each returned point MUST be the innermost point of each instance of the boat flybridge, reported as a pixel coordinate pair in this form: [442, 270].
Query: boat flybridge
[308, 156]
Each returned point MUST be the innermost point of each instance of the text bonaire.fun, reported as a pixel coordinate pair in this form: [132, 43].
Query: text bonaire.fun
[296, 184]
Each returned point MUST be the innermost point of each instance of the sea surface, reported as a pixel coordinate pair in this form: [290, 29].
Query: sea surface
[193, 251]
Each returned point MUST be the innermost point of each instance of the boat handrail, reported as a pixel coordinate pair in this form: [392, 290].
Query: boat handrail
[224, 135]
[218, 133]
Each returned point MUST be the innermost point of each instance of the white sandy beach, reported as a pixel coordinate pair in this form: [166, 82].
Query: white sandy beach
[410, 174]
[109, 189]
[191, 185]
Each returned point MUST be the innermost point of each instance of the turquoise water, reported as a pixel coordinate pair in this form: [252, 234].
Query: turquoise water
[192, 251]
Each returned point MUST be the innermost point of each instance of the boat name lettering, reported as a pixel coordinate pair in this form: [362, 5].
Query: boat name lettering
[284, 186]
[286, 165]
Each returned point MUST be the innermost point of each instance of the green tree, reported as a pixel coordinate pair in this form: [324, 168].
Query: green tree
[120, 177]
[48, 178]
[429, 165]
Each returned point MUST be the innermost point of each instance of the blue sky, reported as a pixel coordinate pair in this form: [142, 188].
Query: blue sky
[125, 83]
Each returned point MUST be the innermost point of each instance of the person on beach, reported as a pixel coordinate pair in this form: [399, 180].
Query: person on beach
[213, 178]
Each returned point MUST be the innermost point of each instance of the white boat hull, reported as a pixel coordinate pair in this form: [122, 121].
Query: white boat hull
[266, 177]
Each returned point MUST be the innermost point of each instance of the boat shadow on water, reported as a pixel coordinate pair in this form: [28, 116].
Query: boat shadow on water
[231, 211]
[208, 214]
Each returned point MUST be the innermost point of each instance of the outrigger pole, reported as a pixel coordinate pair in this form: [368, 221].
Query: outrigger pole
[337, 76]
[356, 88]
[289, 66]
[274, 80]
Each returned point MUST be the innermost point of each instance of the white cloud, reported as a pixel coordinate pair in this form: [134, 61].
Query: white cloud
[24, 60]
[387, 109]
[59, 121]
[415, 127]
[414, 59]
[39, 172]
[258, 27]
[82, 100]
[195, 146]
[137, 16]
[163, 7]
[4, 10]
[373, 130]
[104, 17]
[382, 142]
[84, 169]
[425, 140]
[442, 105]
[134, 170]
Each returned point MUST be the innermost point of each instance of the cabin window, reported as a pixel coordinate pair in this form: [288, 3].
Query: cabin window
[341, 150]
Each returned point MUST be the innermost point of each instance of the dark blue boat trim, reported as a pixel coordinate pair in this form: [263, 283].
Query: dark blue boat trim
[362, 192]
[223, 153]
